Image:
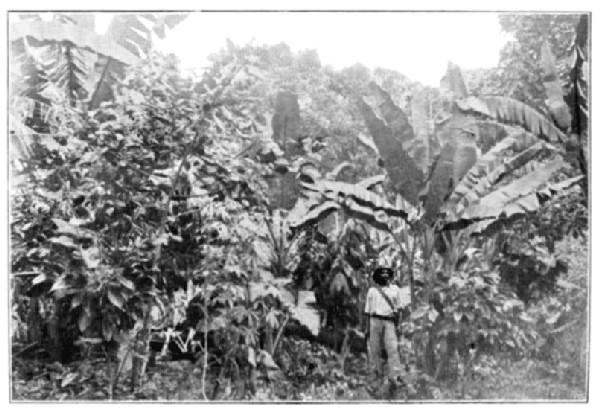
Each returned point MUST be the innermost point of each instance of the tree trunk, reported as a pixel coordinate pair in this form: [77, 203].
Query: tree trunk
[140, 350]
[447, 353]
[429, 356]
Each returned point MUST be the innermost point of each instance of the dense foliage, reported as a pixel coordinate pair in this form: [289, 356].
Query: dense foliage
[213, 237]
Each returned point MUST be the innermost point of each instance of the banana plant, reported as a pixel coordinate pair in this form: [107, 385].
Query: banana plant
[66, 53]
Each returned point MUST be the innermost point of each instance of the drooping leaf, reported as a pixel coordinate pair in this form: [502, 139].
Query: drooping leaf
[389, 127]
[512, 112]
[69, 72]
[558, 187]
[334, 173]
[371, 182]
[490, 133]
[578, 95]
[517, 197]
[554, 91]
[491, 169]
[341, 192]
[457, 157]
[298, 220]
[134, 31]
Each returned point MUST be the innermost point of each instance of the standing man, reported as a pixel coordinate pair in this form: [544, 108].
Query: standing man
[382, 305]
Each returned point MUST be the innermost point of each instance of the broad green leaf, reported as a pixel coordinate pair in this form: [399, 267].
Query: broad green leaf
[334, 173]
[457, 157]
[389, 127]
[425, 147]
[492, 168]
[514, 198]
[134, 31]
[126, 283]
[512, 112]
[68, 379]
[318, 213]
[371, 182]
[579, 74]
[115, 298]
[39, 279]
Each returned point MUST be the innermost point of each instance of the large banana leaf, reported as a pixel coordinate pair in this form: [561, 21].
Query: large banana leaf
[389, 127]
[134, 31]
[578, 76]
[512, 112]
[343, 191]
[425, 145]
[69, 70]
[458, 155]
[517, 197]
[492, 168]
[323, 197]
[554, 92]
[46, 32]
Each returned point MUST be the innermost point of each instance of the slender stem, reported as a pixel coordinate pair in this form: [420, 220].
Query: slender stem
[205, 364]
[278, 337]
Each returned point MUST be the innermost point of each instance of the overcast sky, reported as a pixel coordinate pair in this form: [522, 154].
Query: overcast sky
[418, 45]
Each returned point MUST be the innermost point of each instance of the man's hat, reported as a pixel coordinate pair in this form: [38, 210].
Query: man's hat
[382, 274]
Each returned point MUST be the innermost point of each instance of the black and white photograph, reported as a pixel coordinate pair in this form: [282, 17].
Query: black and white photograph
[301, 206]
